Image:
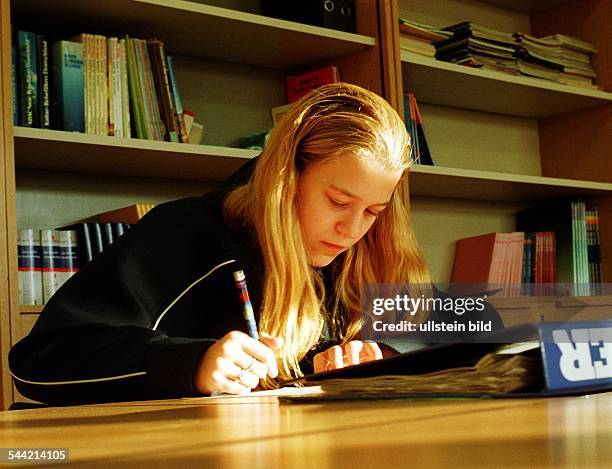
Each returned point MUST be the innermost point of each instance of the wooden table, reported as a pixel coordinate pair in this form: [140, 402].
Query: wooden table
[260, 432]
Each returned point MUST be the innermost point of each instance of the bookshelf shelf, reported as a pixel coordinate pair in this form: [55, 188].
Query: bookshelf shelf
[199, 30]
[56, 150]
[449, 84]
[526, 6]
[435, 181]
[30, 309]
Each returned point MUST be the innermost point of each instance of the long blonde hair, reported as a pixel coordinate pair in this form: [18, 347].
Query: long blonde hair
[329, 121]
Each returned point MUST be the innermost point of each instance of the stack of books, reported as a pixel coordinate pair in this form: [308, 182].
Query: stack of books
[561, 58]
[420, 38]
[98, 85]
[476, 46]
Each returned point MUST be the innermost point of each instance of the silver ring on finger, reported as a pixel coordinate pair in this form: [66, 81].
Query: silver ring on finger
[251, 365]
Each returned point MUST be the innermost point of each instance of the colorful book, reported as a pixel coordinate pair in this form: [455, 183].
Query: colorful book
[162, 89]
[419, 147]
[298, 85]
[178, 104]
[68, 83]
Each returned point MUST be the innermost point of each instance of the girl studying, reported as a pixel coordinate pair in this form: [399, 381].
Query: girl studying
[311, 221]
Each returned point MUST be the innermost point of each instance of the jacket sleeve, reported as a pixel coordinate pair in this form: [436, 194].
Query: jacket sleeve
[102, 338]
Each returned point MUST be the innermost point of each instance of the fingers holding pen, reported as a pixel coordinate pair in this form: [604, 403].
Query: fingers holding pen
[235, 364]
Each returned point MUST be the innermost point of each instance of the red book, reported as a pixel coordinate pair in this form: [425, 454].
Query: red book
[299, 85]
[474, 258]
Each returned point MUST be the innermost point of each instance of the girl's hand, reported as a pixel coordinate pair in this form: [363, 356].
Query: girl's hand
[351, 353]
[236, 363]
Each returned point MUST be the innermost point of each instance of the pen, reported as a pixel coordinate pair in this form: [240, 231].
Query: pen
[247, 308]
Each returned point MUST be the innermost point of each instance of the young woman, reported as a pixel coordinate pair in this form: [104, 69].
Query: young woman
[313, 219]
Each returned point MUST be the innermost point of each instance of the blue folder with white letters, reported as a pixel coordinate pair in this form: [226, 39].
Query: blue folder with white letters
[576, 357]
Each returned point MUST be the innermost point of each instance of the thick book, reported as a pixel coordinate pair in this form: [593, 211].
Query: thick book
[536, 359]
[29, 261]
[68, 100]
[298, 85]
[51, 263]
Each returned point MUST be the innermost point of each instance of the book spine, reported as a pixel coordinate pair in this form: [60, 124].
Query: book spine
[14, 76]
[135, 93]
[97, 239]
[178, 104]
[43, 83]
[158, 126]
[125, 91]
[88, 83]
[112, 85]
[68, 82]
[70, 254]
[28, 79]
[51, 263]
[162, 87]
[143, 94]
[118, 230]
[108, 236]
[298, 85]
[29, 265]
[103, 84]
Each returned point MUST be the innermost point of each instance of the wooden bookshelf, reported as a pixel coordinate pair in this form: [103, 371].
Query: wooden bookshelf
[230, 65]
[505, 142]
[199, 30]
[448, 84]
[30, 309]
[457, 183]
[55, 150]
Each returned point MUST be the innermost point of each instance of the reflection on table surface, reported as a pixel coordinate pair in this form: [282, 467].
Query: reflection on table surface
[255, 432]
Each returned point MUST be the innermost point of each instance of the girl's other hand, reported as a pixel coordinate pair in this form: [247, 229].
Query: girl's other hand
[351, 353]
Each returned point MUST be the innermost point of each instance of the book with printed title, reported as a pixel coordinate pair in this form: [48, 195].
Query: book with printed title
[528, 360]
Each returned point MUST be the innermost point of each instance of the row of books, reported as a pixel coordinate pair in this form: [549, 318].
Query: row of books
[558, 57]
[48, 258]
[123, 87]
[555, 243]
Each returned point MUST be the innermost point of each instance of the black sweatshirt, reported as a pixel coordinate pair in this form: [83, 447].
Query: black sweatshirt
[134, 323]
